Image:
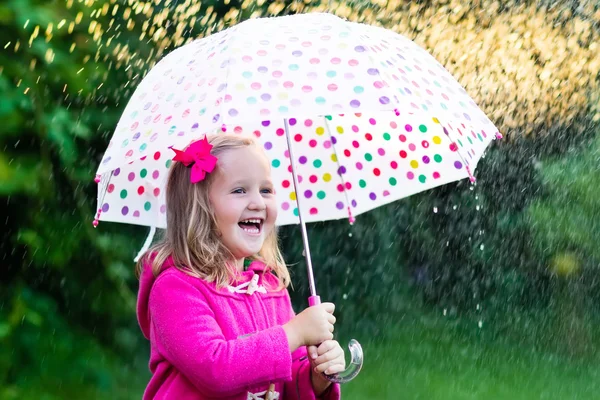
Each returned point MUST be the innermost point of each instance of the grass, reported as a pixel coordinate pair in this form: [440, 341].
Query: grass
[420, 356]
[428, 359]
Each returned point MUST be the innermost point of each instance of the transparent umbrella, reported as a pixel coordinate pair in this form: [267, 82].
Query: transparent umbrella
[351, 116]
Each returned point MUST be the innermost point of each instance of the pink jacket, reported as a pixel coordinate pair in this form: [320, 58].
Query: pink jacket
[207, 343]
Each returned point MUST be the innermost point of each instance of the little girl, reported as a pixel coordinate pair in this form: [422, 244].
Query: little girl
[213, 300]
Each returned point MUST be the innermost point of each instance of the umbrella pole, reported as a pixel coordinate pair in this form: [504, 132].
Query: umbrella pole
[313, 299]
[356, 352]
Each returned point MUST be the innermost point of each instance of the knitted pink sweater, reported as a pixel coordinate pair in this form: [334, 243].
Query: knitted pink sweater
[207, 343]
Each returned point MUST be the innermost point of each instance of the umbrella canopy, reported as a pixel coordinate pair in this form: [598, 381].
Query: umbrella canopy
[372, 117]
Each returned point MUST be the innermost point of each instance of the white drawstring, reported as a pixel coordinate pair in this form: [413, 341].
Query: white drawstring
[252, 286]
[258, 396]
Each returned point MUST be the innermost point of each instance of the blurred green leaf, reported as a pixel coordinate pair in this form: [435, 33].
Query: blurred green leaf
[567, 219]
[17, 176]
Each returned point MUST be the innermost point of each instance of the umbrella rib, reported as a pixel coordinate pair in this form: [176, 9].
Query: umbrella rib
[309, 269]
[222, 108]
[103, 188]
[337, 160]
[464, 160]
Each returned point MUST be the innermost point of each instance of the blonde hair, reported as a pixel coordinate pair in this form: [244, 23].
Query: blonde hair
[191, 236]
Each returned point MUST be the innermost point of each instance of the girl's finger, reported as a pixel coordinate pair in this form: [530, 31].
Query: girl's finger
[329, 307]
[333, 354]
[326, 346]
[323, 358]
[335, 365]
[331, 318]
[334, 369]
[313, 352]
[323, 367]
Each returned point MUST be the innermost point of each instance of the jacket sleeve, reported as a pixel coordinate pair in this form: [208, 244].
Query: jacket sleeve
[189, 337]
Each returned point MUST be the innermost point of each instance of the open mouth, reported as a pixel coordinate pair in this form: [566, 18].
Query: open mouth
[252, 226]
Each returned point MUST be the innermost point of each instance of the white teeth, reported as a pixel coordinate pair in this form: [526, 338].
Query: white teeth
[252, 221]
[254, 230]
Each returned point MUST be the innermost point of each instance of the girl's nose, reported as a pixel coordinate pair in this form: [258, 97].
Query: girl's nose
[257, 202]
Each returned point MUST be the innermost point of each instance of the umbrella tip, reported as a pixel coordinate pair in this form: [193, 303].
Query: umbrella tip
[471, 177]
[97, 179]
[97, 219]
[351, 218]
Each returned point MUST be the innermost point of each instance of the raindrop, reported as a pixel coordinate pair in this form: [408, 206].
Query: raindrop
[435, 210]
[350, 234]
[480, 324]
[345, 296]
[445, 311]
[477, 208]
[481, 247]
[454, 207]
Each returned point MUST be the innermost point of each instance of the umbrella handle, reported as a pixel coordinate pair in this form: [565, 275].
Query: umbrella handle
[356, 356]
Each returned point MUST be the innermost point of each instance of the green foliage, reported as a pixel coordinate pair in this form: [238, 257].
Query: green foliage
[566, 219]
[64, 295]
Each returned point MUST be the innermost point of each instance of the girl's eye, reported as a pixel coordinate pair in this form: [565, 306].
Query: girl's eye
[238, 191]
[268, 191]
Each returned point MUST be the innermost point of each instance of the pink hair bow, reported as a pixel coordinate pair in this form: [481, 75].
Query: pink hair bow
[198, 156]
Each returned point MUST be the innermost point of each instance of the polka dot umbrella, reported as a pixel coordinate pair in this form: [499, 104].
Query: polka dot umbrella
[352, 117]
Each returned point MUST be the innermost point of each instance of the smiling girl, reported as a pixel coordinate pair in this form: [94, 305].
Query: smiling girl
[213, 297]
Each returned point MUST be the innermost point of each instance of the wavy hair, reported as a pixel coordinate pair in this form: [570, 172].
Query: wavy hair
[191, 237]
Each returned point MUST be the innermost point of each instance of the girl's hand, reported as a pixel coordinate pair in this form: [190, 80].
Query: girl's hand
[327, 358]
[312, 326]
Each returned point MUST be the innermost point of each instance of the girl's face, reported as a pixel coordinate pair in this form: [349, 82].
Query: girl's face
[244, 201]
